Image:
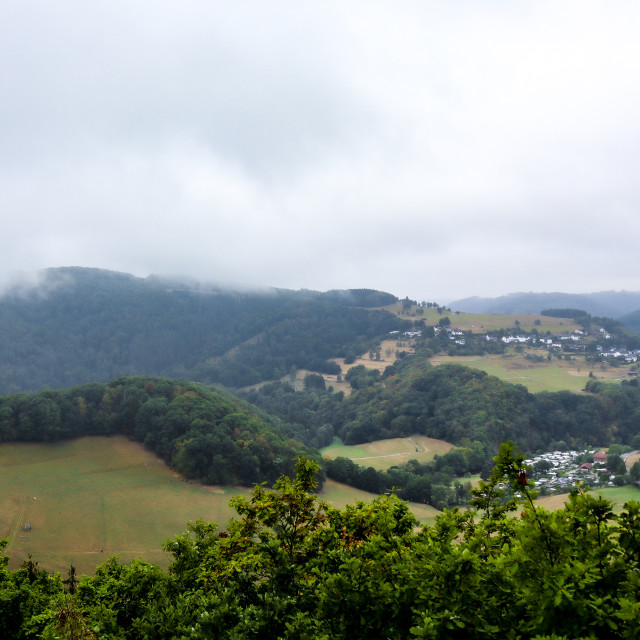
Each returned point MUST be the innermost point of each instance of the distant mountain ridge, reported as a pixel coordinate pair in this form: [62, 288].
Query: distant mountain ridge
[610, 304]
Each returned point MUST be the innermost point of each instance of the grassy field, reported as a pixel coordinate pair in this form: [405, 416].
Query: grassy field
[618, 495]
[383, 454]
[91, 498]
[483, 322]
[557, 375]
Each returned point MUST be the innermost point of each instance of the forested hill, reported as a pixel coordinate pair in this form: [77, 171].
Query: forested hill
[204, 434]
[84, 325]
[457, 404]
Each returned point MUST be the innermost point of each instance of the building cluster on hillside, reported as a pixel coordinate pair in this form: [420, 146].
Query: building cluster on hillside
[623, 354]
[559, 471]
[570, 342]
[598, 344]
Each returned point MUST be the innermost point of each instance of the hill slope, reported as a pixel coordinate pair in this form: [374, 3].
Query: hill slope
[84, 325]
[204, 434]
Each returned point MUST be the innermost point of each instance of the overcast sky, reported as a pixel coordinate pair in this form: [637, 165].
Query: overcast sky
[431, 149]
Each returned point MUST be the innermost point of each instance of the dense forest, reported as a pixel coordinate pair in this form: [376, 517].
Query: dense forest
[204, 434]
[82, 325]
[290, 567]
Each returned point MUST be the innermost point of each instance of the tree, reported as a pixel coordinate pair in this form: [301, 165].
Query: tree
[616, 464]
[314, 381]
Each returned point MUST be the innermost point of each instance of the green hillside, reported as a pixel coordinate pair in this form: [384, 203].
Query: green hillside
[82, 325]
[204, 434]
[90, 498]
[93, 497]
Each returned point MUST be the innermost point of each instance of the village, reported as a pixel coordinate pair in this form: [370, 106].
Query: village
[603, 343]
[559, 471]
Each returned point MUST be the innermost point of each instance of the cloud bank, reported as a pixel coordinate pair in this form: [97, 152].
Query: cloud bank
[436, 150]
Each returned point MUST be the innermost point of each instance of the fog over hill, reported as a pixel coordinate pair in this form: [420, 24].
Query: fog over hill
[78, 325]
[611, 304]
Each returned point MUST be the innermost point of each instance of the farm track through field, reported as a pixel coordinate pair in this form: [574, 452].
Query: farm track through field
[13, 535]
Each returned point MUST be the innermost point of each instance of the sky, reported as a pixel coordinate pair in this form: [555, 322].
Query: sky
[432, 149]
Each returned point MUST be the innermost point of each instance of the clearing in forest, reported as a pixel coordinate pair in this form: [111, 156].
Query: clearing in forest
[383, 454]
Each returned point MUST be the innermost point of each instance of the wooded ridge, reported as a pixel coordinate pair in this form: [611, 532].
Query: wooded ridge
[82, 325]
[205, 434]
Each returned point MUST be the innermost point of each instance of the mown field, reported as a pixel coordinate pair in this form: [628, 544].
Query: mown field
[557, 375]
[91, 498]
[483, 322]
[383, 454]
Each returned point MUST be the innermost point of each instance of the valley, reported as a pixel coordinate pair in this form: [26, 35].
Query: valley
[398, 408]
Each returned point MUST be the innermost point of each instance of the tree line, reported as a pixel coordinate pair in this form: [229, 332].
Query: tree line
[458, 404]
[205, 434]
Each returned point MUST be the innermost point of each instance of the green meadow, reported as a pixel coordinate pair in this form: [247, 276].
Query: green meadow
[92, 498]
[383, 454]
[553, 376]
[557, 375]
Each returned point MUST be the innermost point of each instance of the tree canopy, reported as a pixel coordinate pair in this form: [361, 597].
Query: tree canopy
[205, 434]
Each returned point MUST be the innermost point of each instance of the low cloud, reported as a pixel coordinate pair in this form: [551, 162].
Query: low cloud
[429, 150]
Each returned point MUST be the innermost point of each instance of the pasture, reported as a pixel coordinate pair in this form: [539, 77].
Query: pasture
[91, 498]
[618, 495]
[383, 454]
[557, 375]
